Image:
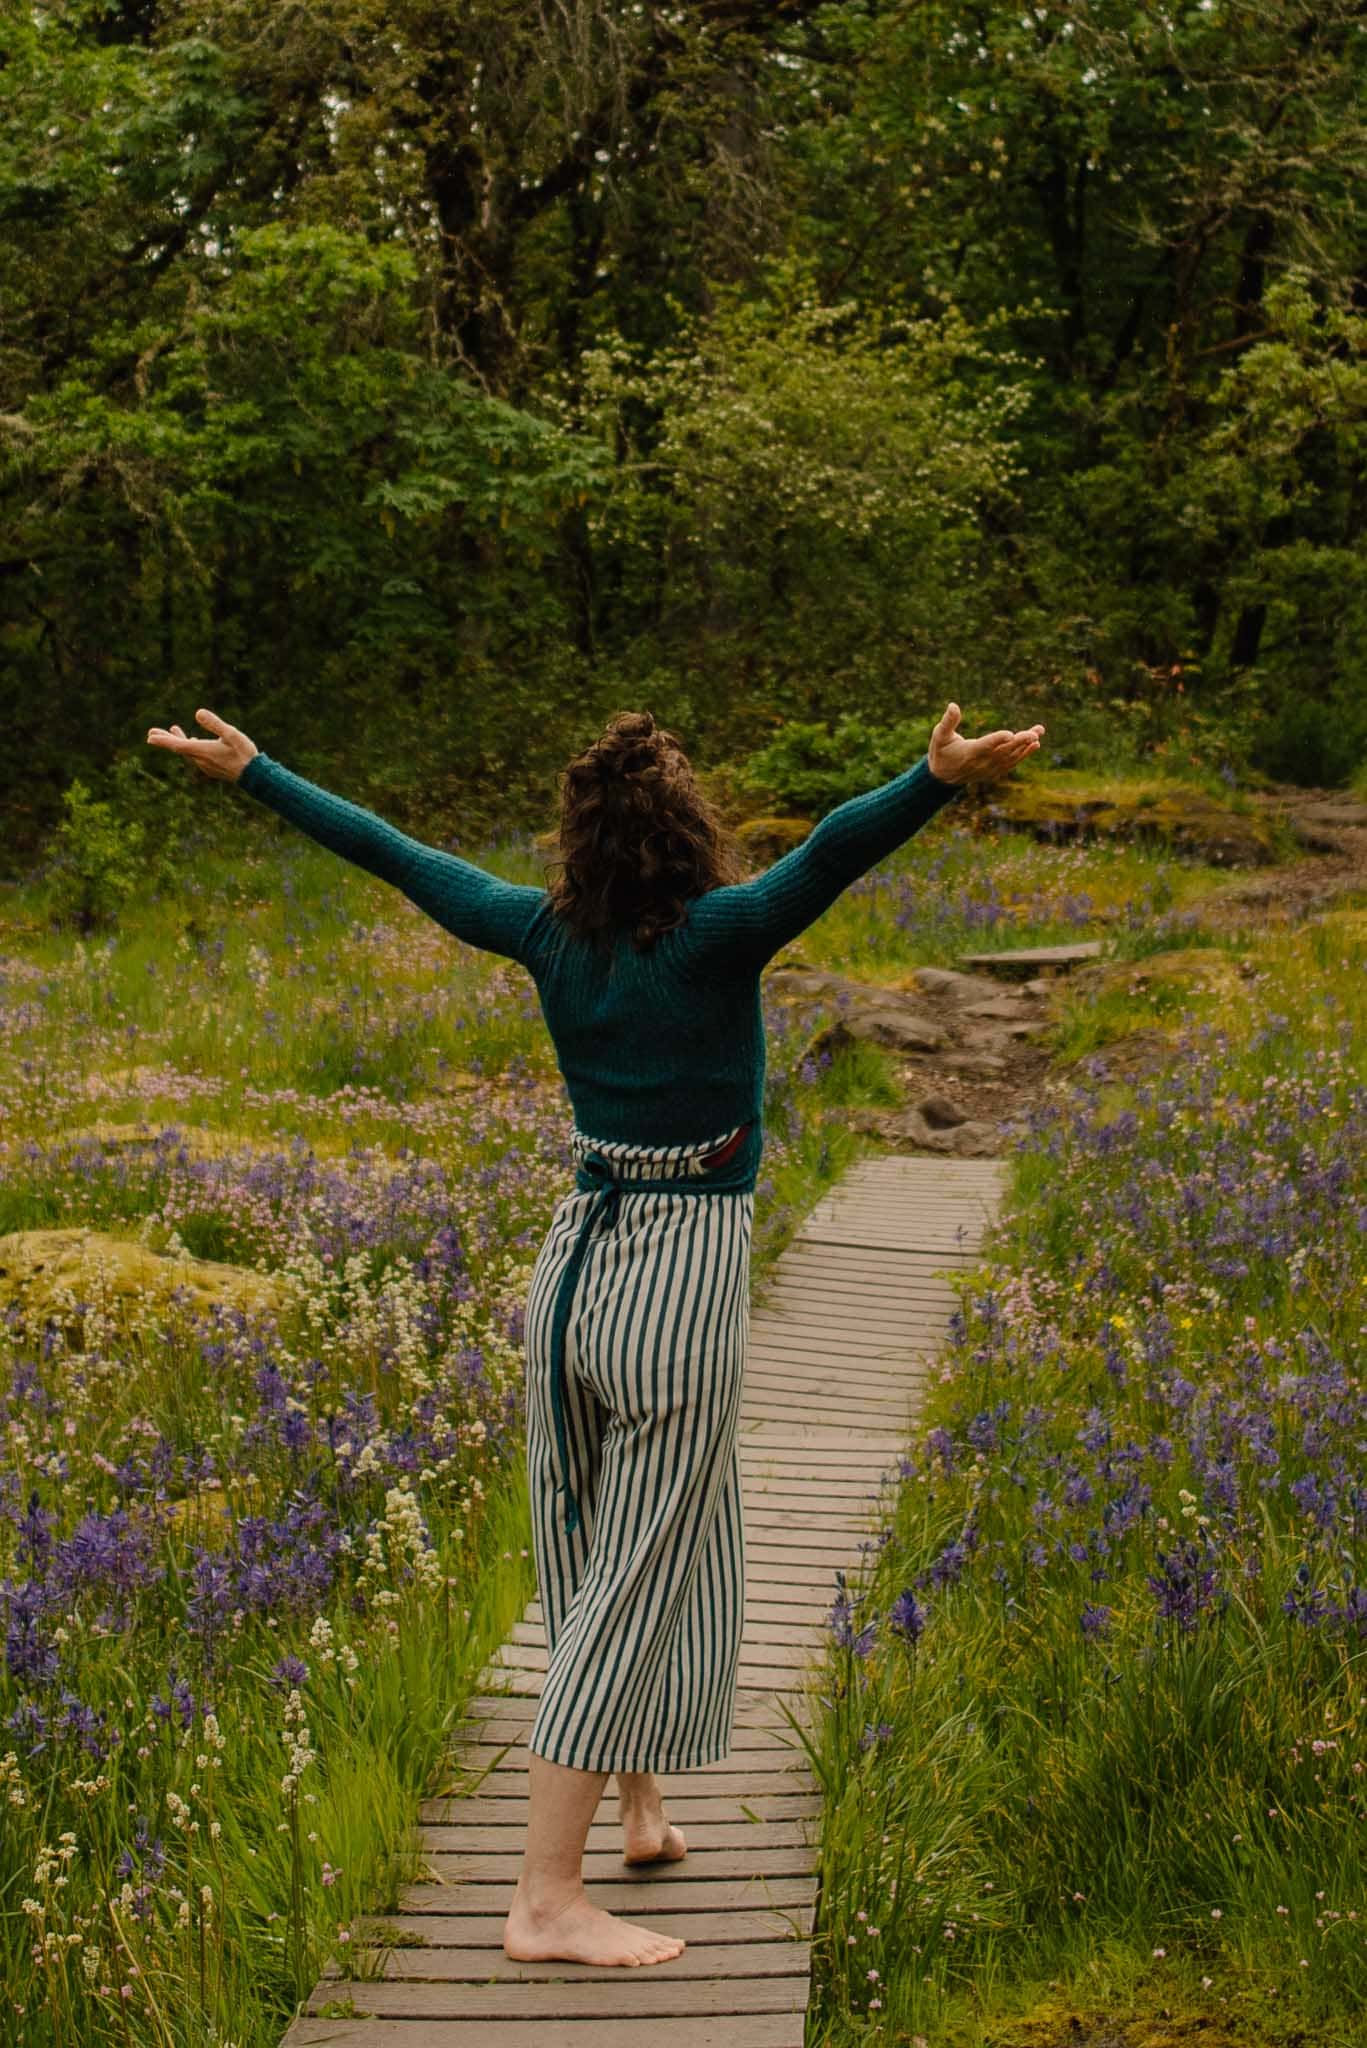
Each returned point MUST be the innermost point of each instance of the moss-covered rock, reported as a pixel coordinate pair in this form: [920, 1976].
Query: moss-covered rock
[197, 1141]
[768, 839]
[46, 1272]
[1347, 923]
[1192, 970]
[1188, 820]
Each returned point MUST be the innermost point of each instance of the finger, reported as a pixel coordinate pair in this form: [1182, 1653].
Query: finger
[217, 724]
[180, 745]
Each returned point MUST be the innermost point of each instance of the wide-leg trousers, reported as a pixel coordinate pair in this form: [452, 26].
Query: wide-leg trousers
[644, 1602]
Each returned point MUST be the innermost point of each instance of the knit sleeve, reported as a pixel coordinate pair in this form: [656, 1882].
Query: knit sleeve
[744, 924]
[464, 899]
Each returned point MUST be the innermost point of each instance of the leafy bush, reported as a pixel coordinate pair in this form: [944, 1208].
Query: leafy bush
[96, 860]
[809, 768]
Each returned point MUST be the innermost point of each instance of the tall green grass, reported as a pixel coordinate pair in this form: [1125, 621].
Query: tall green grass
[1091, 1726]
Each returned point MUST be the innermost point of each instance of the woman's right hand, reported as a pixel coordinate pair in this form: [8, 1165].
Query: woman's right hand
[953, 758]
[223, 758]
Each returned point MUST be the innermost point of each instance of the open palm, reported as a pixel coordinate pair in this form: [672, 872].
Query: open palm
[986, 759]
[223, 758]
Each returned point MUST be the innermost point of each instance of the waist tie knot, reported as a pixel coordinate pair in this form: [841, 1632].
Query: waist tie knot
[593, 1175]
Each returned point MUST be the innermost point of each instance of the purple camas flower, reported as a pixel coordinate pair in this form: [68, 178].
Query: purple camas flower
[1305, 1602]
[840, 1622]
[1185, 1586]
[906, 1616]
[1096, 1621]
[30, 1654]
[289, 1671]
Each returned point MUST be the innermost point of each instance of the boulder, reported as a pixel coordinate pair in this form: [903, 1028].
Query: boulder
[973, 1138]
[1168, 813]
[821, 984]
[941, 1112]
[1187, 970]
[1004, 1007]
[900, 1030]
[202, 1141]
[768, 839]
[949, 987]
[43, 1272]
[973, 1061]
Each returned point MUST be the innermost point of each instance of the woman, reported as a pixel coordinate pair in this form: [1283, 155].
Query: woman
[646, 951]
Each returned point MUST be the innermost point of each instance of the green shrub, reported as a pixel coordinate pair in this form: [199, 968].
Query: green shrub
[96, 860]
[809, 768]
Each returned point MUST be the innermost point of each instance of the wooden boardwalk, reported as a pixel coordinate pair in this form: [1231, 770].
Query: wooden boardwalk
[837, 1359]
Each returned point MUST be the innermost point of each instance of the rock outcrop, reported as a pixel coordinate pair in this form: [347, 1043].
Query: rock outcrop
[47, 1272]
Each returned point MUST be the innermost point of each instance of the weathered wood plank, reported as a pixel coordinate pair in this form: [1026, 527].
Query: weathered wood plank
[711, 1930]
[493, 1867]
[497, 1802]
[705, 1962]
[755, 1838]
[722, 1782]
[653, 1994]
[757, 2030]
[629, 1892]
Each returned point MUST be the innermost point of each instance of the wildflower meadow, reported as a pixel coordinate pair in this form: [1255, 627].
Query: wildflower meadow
[262, 1504]
[1094, 1728]
[256, 1544]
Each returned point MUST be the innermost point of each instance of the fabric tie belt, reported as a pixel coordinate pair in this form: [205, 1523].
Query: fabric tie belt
[593, 1175]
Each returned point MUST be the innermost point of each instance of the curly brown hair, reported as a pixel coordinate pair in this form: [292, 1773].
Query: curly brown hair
[637, 837]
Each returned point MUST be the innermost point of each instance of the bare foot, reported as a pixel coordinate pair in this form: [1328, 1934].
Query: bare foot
[650, 1838]
[580, 1932]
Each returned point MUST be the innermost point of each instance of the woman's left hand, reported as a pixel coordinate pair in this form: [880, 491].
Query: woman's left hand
[223, 758]
[988, 759]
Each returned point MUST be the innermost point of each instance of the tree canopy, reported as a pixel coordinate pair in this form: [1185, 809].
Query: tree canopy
[451, 374]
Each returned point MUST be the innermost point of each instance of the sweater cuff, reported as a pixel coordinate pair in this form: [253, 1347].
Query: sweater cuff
[247, 778]
[938, 783]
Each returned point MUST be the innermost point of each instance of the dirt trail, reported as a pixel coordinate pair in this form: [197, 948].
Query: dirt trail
[1332, 827]
[971, 1046]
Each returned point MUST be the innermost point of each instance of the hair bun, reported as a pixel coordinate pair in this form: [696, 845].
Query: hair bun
[631, 742]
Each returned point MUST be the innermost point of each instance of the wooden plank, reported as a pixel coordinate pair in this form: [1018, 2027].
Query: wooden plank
[754, 1838]
[888, 1367]
[653, 1994]
[757, 2030]
[492, 1771]
[751, 1677]
[720, 1963]
[717, 1929]
[492, 1867]
[483, 1809]
[759, 1431]
[783, 1628]
[633, 1892]
[723, 1795]
[882, 1266]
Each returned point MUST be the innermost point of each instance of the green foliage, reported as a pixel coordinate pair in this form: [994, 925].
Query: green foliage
[95, 863]
[451, 388]
[808, 769]
[803, 494]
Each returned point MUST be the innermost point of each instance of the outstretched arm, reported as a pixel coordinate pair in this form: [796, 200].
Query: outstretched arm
[743, 925]
[464, 899]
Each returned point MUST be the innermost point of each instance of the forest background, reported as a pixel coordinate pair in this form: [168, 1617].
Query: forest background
[417, 383]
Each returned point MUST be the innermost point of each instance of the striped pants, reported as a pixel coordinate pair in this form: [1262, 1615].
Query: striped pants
[644, 1603]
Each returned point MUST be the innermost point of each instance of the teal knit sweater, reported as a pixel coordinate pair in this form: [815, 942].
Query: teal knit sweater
[662, 1047]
